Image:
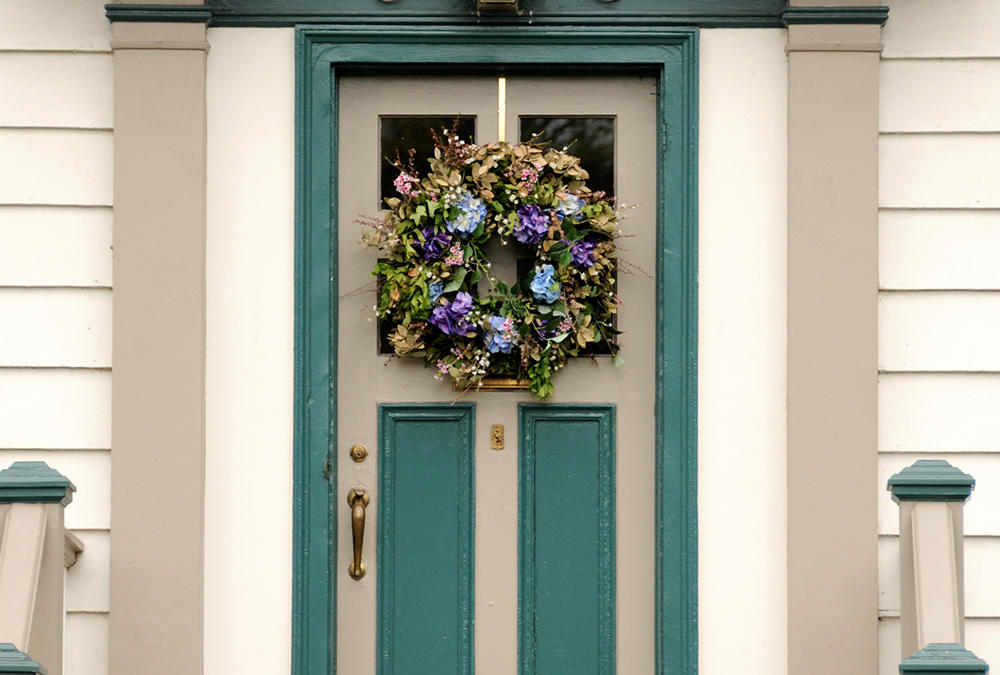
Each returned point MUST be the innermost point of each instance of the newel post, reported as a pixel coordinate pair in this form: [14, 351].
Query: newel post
[931, 494]
[32, 567]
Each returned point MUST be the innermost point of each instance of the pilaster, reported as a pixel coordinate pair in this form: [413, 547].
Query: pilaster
[832, 347]
[158, 395]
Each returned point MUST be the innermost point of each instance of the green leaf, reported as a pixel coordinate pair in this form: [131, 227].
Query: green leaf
[456, 280]
[545, 309]
[477, 274]
[431, 208]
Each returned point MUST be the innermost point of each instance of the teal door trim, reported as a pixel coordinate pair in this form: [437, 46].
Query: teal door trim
[321, 52]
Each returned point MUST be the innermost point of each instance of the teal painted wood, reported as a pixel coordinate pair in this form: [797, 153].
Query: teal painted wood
[840, 15]
[321, 50]
[939, 658]
[15, 662]
[566, 539]
[34, 483]
[931, 480]
[426, 513]
[704, 13]
[314, 544]
[165, 13]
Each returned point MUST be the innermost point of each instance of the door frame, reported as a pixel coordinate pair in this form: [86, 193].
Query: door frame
[319, 52]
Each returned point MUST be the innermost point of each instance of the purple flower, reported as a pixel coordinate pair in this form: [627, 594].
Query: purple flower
[583, 253]
[434, 244]
[533, 224]
[451, 319]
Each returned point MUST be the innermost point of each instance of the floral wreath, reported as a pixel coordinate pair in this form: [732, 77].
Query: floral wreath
[433, 240]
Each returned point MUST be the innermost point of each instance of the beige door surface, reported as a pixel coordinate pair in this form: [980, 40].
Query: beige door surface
[367, 379]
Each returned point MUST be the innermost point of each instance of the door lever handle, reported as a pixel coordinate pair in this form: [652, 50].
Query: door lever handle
[357, 499]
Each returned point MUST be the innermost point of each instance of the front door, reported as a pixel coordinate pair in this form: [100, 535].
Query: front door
[502, 534]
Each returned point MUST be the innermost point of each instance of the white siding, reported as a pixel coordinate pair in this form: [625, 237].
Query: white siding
[939, 249]
[55, 327]
[55, 277]
[742, 310]
[939, 308]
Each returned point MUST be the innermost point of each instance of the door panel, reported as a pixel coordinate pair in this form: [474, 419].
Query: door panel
[566, 552]
[425, 538]
[367, 381]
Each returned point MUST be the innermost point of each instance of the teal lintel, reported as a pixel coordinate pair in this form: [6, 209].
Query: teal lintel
[14, 661]
[941, 658]
[835, 15]
[34, 483]
[931, 480]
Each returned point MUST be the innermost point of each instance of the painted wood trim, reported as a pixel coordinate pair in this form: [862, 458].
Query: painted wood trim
[314, 548]
[34, 482]
[719, 14]
[389, 415]
[674, 53]
[14, 661]
[158, 13]
[529, 414]
[931, 480]
[835, 15]
[726, 14]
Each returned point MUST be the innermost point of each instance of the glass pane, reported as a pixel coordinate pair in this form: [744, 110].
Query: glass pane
[592, 139]
[399, 134]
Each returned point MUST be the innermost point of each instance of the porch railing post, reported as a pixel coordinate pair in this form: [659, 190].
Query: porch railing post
[33, 545]
[931, 495]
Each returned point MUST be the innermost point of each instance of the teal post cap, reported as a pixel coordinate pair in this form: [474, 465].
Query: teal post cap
[943, 658]
[931, 480]
[34, 483]
[14, 661]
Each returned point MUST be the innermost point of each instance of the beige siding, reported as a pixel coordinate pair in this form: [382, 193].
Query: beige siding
[939, 309]
[55, 277]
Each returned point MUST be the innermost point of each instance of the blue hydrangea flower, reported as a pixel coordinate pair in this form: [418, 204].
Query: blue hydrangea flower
[501, 335]
[434, 291]
[471, 212]
[532, 224]
[569, 207]
[543, 286]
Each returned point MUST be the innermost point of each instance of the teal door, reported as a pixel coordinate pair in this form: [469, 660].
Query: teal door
[530, 553]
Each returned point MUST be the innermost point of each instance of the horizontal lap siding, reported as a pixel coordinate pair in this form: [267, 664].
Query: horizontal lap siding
[55, 278]
[939, 305]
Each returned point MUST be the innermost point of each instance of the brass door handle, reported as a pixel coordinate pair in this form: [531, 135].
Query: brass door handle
[357, 499]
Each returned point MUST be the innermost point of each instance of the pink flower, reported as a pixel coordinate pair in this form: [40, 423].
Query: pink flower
[404, 184]
[455, 255]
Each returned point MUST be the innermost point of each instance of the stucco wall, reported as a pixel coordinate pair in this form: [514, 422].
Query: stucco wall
[939, 303]
[55, 278]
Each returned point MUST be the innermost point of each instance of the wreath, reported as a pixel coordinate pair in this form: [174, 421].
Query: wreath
[434, 263]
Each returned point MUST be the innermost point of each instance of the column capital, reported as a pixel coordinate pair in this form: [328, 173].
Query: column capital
[13, 661]
[931, 480]
[34, 483]
[940, 658]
